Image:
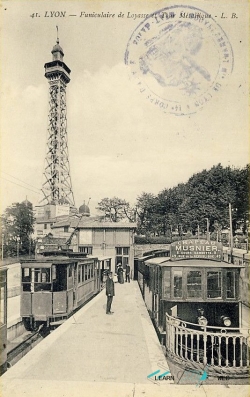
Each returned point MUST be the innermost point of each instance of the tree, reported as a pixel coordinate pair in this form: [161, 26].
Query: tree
[203, 199]
[146, 210]
[114, 209]
[17, 227]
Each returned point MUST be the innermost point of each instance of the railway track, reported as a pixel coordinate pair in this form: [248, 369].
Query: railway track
[21, 349]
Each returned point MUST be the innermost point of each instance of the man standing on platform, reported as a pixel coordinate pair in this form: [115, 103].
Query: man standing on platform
[110, 292]
[128, 273]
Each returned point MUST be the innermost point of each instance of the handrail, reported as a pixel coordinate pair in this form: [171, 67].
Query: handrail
[182, 322]
[220, 350]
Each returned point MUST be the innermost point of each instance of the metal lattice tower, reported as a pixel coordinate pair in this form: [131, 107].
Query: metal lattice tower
[57, 188]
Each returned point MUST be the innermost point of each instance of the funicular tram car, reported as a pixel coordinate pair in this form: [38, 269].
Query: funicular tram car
[53, 287]
[3, 320]
[193, 300]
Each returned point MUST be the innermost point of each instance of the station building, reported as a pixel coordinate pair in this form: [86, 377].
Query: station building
[87, 234]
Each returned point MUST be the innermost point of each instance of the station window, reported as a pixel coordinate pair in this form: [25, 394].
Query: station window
[194, 284]
[122, 256]
[178, 283]
[66, 229]
[214, 285]
[230, 284]
[83, 267]
[86, 272]
[87, 250]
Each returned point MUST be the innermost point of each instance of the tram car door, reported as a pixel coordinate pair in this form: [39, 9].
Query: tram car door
[59, 277]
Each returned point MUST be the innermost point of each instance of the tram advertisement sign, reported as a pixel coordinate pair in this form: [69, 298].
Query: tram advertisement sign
[196, 249]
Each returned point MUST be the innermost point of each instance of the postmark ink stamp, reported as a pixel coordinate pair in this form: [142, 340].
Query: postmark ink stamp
[180, 58]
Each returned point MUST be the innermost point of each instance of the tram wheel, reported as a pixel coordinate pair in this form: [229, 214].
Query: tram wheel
[27, 322]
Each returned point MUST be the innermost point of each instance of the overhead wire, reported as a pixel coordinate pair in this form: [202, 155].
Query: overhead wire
[19, 180]
[25, 187]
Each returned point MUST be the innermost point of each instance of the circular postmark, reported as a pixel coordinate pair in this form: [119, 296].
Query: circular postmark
[179, 58]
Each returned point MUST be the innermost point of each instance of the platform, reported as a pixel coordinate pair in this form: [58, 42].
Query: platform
[94, 354]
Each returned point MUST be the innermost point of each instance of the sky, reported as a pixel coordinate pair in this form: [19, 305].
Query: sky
[119, 143]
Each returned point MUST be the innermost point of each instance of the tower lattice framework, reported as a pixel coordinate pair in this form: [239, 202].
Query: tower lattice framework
[57, 187]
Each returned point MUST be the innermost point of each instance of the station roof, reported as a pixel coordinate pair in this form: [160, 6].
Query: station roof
[93, 223]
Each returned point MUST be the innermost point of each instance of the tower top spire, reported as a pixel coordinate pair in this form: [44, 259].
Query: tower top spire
[57, 37]
[57, 51]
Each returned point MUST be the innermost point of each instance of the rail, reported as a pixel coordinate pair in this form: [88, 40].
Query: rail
[221, 349]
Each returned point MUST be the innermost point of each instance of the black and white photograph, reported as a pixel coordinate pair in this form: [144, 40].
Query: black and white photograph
[125, 173]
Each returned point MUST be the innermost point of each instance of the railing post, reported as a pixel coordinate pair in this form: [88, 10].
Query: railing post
[205, 347]
[219, 351]
[192, 346]
[181, 334]
[198, 347]
[176, 339]
[247, 345]
[186, 338]
[212, 351]
[234, 359]
[241, 360]
[226, 337]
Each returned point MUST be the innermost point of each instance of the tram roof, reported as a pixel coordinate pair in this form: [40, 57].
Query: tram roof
[189, 263]
[54, 261]
[102, 258]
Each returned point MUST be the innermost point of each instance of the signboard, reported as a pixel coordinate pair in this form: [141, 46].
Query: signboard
[196, 249]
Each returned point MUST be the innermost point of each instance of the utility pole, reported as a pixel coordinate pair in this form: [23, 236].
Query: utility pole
[17, 248]
[231, 232]
[2, 245]
[208, 236]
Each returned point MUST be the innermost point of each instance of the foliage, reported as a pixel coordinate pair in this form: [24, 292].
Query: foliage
[17, 226]
[202, 201]
[152, 240]
[188, 208]
[146, 213]
[115, 209]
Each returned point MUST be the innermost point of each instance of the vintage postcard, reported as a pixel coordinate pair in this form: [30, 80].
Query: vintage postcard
[147, 94]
